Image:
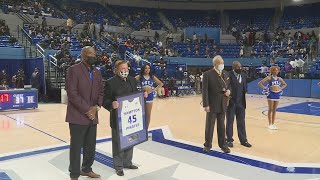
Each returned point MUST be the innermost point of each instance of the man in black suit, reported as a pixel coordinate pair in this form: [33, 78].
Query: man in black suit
[119, 85]
[237, 105]
[35, 79]
[215, 96]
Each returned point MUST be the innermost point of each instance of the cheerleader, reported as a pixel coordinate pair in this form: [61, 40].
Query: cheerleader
[147, 81]
[274, 91]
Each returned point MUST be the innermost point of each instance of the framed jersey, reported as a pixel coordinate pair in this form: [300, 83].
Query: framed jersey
[131, 123]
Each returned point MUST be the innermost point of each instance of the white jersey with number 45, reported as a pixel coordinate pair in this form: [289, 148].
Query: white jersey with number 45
[131, 115]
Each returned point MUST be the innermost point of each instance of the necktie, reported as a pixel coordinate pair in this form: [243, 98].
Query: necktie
[239, 78]
[90, 74]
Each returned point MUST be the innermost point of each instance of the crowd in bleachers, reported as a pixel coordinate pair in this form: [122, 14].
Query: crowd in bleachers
[140, 48]
[298, 17]
[82, 12]
[244, 25]
[32, 7]
[206, 50]
[5, 39]
[139, 18]
[249, 20]
[193, 18]
[286, 45]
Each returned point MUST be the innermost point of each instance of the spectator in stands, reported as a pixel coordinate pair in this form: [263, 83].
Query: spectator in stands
[92, 30]
[173, 89]
[156, 36]
[273, 61]
[4, 85]
[205, 38]
[241, 52]
[288, 70]
[161, 92]
[194, 37]
[198, 82]
[44, 24]
[192, 80]
[207, 52]
[313, 53]
[4, 29]
[69, 24]
[4, 76]
[167, 38]
[264, 71]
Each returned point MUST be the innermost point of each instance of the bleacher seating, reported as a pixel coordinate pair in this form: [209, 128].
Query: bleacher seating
[139, 18]
[298, 17]
[255, 19]
[314, 71]
[265, 49]
[40, 8]
[5, 42]
[74, 43]
[87, 11]
[190, 18]
[229, 50]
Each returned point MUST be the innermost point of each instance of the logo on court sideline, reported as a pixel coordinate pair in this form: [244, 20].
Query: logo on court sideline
[291, 169]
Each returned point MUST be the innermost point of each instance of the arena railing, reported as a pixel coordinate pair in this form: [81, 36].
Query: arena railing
[25, 38]
[53, 64]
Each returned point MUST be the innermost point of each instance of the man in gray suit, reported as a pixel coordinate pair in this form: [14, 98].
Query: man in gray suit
[85, 97]
[215, 97]
[120, 85]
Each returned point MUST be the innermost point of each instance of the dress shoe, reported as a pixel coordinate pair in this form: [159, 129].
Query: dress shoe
[230, 144]
[246, 144]
[225, 150]
[206, 149]
[131, 167]
[120, 172]
[90, 174]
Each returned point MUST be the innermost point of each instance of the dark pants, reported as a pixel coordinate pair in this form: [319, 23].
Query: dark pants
[121, 159]
[239, 111]
[211, 118]
[82, 136]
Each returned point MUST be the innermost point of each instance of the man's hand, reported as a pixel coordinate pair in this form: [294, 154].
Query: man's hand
[227, 93]
[92, 112]
[207, 109]
[115, 105]
[145, 94]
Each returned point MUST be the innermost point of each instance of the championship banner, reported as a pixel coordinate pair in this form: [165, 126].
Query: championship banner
[131, 120]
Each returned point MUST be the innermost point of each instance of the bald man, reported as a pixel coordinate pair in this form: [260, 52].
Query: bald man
[215, 96]
[85, 97]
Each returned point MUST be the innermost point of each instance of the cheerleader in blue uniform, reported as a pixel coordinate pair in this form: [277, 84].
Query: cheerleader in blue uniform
[147, 81]
[273, 90]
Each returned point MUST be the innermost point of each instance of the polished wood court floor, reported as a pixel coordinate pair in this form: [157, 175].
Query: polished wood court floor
[296, 141]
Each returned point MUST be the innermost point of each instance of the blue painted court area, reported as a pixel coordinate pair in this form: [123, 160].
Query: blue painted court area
[4, 176]
[308, 108]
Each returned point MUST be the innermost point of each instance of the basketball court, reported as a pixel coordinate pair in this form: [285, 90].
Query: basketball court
[34, 143]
